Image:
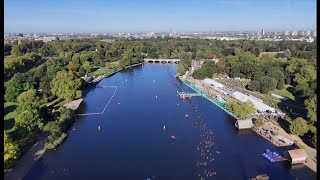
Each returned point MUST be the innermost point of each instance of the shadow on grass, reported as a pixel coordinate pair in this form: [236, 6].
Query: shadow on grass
[284, 124]
[9, 124]
[9, 109]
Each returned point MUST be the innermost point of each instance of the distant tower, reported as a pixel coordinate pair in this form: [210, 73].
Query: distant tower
[262, 32]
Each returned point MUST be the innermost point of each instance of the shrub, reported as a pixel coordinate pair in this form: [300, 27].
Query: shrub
[259, 122]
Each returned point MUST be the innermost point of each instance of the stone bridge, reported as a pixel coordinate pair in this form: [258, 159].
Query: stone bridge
[161, 60]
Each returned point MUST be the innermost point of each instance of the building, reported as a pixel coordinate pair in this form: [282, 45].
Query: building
[296, 156]
[308, 33]
[294, 33]
[286, 33]
[211, 82]
[260, 106]
[244, 124]
[314, 34]
[262, 32]
[196, 64]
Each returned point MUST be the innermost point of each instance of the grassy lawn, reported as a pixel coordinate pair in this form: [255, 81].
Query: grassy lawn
[9, 115]
[8, 104]
[103, 70]
[53, 102]
[271, 53]
[284, 92]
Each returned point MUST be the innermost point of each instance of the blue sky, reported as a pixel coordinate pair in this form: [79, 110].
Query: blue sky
[157, 15]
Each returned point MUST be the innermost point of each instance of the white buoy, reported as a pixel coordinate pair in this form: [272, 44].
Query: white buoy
[187, 115]
[99, 128]
[156, 97]
[126, 80]
[164, 127]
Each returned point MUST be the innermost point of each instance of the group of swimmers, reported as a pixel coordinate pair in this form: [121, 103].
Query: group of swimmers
[205, 148]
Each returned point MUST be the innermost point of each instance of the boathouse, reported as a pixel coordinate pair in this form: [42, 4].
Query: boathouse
[297, 156]
[244, 124]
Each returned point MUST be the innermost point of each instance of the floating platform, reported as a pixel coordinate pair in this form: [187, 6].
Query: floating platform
[273, 156]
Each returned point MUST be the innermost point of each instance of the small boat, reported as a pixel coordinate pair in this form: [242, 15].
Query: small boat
[172, 137]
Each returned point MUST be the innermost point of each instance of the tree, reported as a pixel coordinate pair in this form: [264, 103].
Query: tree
[27, 96]
[287, 53]
[11, 150]
[311, 105]
[87, 66]
[267, 84]
[44, 85]
[72, 66]
[242, 110]
[254, 85]
[28, 117]
[259, 122]
[17, 84]
[66, 85]
[53, 128]
[299, 126]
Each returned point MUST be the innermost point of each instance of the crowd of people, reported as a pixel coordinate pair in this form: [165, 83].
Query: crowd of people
[269, 135]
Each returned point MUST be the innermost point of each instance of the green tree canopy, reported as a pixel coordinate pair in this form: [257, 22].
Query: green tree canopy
[311, 105]
[66, 85]
[11, 150]
[28, 96]
[299, 126]
[29, 117]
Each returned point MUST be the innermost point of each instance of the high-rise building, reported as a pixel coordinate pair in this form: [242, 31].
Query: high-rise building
[308, 33]
[262, 32]
[314, 33]
[286, 33]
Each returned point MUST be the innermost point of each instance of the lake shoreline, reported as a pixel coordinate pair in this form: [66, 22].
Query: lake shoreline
[310, 151]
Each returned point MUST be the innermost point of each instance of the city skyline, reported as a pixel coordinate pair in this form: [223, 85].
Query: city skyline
[145, 16]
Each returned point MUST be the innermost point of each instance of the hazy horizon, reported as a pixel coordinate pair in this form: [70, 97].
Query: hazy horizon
[66, 16]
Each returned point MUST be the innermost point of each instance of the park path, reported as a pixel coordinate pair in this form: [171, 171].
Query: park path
[23, 165]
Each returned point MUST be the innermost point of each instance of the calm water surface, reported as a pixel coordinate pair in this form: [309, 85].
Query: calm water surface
[133, 145]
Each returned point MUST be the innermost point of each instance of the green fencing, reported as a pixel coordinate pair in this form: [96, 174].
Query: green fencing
[216, 102]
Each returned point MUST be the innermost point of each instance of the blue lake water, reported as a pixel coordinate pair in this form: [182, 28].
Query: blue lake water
[132, 143]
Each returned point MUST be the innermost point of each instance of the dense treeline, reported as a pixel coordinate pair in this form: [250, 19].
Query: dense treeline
[41, 75]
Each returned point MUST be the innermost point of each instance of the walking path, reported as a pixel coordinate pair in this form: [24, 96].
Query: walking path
[23, 165]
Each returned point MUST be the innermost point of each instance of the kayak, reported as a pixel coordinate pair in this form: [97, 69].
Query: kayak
[172, 137]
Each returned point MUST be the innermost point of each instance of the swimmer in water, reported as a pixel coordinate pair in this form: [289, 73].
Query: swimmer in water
[156, 97]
